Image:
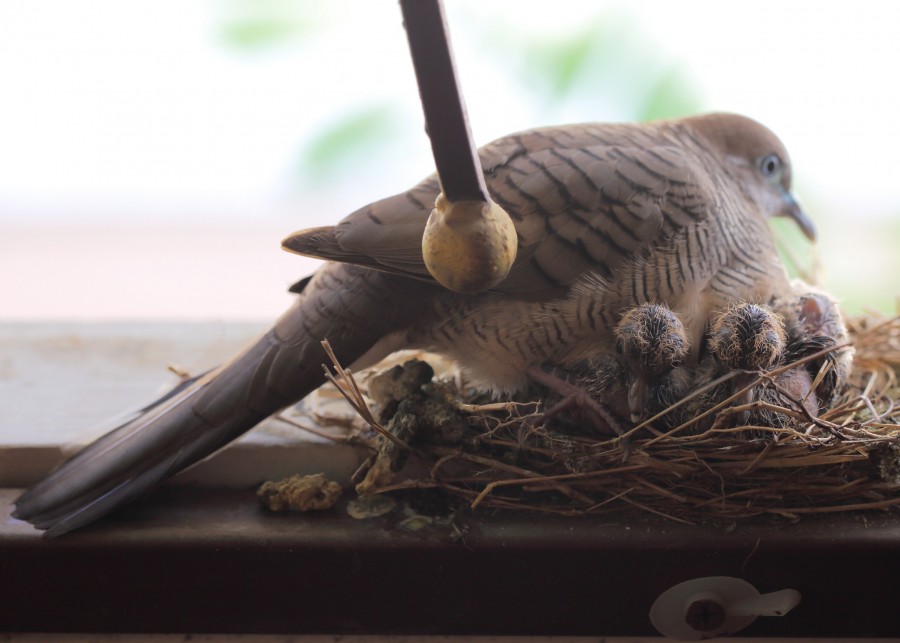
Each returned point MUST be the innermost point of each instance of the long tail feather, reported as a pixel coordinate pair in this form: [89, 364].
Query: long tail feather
[353, 307]
[166, 437]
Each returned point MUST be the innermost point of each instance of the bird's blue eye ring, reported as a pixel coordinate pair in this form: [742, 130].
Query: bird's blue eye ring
[770, 165]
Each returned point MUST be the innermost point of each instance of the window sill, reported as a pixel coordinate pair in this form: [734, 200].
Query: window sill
[194, 559]
[61, 384]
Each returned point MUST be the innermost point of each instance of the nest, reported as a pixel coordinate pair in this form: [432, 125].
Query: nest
[498, 454]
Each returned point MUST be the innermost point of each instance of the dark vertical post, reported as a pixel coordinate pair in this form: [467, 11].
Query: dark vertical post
[445, 114]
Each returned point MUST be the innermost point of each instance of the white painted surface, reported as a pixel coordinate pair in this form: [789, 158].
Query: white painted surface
[60, 380]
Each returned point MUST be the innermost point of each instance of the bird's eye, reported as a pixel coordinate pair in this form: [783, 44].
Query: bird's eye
[770, 165]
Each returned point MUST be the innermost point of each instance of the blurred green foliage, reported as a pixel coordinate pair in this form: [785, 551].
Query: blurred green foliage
[558, 65]
[259, 33]
[252, 25]
[354, 139]
[609, 62]
[798, 254]
[860, 264]
[861, 280]
[669, 95]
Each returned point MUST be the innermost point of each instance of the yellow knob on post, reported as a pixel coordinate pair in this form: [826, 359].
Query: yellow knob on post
[468, 246]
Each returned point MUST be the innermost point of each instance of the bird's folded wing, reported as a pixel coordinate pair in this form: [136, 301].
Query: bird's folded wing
[581, 198]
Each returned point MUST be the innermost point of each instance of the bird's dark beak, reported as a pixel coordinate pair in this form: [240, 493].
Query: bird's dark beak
[793, 210]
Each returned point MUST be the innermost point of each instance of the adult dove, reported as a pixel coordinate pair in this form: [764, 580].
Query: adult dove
[608, 216]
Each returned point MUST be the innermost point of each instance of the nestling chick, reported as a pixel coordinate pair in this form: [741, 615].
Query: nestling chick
[748, 338]
[814, 322]
[650, 342]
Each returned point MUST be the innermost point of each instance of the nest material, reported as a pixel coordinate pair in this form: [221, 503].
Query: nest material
[299, 493]
[846, 459]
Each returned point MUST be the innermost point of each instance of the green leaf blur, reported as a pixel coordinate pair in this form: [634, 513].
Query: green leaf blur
[356, 138]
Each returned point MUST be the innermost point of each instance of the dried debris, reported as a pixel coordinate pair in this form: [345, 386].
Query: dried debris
[299, 493]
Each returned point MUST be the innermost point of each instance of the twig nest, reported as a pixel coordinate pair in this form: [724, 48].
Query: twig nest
[468, 246]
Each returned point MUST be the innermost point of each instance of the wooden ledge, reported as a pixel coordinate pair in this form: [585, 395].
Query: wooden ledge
[203, 560]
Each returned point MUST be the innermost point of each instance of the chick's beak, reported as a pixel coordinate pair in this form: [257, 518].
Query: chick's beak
[638, 394]
[793, 210]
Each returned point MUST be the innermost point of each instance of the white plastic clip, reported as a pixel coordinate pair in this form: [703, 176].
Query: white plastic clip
[704, 608]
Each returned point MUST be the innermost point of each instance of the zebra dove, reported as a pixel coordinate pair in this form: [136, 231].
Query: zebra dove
[607, 216]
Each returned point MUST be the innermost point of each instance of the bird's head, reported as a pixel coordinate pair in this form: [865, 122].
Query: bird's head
[650, 341]
[747, 337]
[809, 311]
[814, 323]
[758, 159]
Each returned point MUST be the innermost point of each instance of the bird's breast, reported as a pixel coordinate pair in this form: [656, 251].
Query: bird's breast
[495, 338]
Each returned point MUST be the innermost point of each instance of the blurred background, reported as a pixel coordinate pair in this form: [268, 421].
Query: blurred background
[153, 154]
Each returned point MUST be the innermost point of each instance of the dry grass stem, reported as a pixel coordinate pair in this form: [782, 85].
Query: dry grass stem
[343, 381]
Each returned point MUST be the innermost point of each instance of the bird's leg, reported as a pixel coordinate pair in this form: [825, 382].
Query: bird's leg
[575, 398]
